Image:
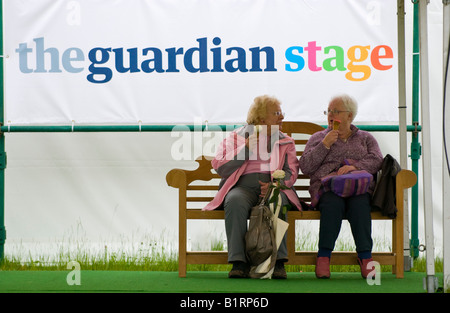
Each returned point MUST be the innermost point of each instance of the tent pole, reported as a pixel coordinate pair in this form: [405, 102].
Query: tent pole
[445, 153]
[415, 145]
[426, 138]
[402, 118]
[2, 147]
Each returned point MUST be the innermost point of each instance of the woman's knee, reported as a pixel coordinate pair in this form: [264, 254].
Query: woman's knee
[330, 203]
[239, 199]
[359, 207]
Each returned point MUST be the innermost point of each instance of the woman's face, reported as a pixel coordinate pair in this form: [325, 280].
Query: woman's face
[274, 116]
[337, 111]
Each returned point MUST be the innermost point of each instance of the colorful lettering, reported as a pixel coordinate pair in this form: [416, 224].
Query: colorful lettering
[205, 56]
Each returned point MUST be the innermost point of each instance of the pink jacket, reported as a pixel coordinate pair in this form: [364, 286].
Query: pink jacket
[232, 158]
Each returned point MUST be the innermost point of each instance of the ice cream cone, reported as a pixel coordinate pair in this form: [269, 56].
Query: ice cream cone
[336, 124]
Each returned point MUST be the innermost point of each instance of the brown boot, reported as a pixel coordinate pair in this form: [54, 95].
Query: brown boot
[239, 270]
[279, 272]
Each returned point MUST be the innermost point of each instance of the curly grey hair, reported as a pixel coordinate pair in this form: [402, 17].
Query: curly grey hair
[258, 110]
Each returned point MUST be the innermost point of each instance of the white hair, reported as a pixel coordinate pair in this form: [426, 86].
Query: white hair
[349, 103]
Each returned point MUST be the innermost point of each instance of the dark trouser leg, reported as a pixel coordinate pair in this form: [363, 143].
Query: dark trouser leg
[332, 211]
[358, 215]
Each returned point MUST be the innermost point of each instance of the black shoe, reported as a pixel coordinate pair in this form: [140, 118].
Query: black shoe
[239, 270]
[279, 272]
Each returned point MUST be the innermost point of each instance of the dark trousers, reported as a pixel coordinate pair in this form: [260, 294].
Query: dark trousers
[356, 209]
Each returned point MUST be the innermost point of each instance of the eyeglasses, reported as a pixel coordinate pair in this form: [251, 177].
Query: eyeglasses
[334, 112]
[278, 113]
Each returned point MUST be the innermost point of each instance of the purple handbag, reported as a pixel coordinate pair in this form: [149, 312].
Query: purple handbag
[347, 185]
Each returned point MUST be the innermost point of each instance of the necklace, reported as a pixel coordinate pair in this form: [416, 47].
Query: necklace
[345, 138]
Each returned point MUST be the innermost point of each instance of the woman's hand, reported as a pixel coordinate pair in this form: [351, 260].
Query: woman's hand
[330, 138]
[264, 188]
[346, 169]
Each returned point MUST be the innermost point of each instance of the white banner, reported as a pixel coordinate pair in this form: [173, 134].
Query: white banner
[174, 61]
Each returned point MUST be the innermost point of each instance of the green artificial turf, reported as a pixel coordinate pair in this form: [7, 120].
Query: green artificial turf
[201, 282]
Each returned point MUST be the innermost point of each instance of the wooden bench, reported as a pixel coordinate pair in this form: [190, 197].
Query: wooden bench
[205, 181]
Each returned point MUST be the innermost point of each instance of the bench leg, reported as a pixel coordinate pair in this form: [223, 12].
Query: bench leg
[397, 246]
[290, 242]
[182, 265]
[182, 234]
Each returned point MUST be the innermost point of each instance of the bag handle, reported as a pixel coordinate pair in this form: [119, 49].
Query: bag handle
[267, 195]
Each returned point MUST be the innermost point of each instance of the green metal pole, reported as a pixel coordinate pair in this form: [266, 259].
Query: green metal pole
[160, 128]
[2, 147]
[416, 148]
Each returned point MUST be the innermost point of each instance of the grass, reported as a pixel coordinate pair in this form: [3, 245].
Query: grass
[149, 264]
[157, 254]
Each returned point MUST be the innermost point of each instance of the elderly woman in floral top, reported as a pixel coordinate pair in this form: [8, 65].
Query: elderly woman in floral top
[325, 153]
[246, 161]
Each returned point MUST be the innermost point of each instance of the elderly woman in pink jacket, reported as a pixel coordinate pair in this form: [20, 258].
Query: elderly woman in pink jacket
[246, 161]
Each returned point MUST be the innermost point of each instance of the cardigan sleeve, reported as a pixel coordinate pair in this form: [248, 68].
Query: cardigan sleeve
[231, 155]
[291, 165]
[373, 159]
[314, 154]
